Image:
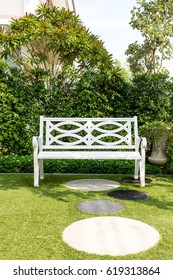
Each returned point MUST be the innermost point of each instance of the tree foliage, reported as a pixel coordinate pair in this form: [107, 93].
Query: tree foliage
[154, 19]
[51, 38]
[63, 71]
[150, 97]
[53, 46]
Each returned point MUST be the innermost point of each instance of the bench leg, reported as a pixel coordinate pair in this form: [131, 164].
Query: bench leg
[136, 173]
[36, 172]
[142, 173]
[41, 169]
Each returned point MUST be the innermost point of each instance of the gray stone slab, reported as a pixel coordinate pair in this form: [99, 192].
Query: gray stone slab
[92, 184]
[100, 206]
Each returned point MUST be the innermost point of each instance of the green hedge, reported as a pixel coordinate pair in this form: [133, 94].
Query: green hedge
[93, 93]
[150, 97]
[24, 164]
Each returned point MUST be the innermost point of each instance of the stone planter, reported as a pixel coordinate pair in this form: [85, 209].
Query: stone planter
[159, 144]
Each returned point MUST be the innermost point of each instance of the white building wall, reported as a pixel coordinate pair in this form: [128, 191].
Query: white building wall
[10, 8]
[17, 8]
[29, 5]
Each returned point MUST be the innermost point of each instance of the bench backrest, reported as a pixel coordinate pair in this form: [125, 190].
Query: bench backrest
[88, 133]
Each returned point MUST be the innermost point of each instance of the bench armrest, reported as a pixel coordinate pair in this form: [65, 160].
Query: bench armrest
[143, 143]
[35, 142]
[143, 147]
[40, 143]
[137, 143]
[35, 145]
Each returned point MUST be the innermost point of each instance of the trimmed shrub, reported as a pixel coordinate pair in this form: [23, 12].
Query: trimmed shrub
[22, 102]
[101, 94]
[24, 164]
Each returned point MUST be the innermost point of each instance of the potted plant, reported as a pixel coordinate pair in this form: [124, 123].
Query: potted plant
[159, 135]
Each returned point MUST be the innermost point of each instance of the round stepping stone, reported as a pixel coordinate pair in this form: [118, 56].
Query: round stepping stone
[136, 181]
[114, 236]
[92, 184]
[100, 206]
[128, 195]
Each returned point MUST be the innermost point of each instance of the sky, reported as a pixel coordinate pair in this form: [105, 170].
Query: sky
[109, 19]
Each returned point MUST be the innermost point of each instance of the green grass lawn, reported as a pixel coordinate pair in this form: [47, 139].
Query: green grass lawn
[32, 220]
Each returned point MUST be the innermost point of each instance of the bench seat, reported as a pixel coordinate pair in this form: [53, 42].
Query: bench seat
[90, 155]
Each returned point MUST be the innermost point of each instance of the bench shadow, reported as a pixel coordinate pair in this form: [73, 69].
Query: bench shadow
[53, 186]
[162, 182]
[62, 193]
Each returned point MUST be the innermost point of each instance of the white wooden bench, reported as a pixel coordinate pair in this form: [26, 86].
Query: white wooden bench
[89, 138]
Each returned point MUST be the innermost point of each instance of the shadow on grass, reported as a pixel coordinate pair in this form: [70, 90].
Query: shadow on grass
[159, 203]
[10, 181]
[160, 191]
[53, 186]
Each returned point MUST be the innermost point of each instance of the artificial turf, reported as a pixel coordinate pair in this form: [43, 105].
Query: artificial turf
[32, 220]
